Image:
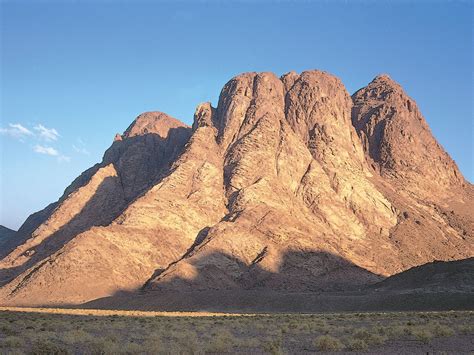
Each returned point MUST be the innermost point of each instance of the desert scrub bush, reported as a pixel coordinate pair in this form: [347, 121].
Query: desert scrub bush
[249, 343]
[369, 337]
[440, 330]
[45, 346]
[260, 326]
[423, 335]
[357, 345]
[188, 342]
[11, 342]
[328, 343]
[133, 348]
[397, 331]
[273, 346]
[51, 326]
[222, 342]
[293, 324]
[465, 329]
[381, 330]
[76, 336]
[304, 328]
[101, 346]
[341, 329]
[8, 330]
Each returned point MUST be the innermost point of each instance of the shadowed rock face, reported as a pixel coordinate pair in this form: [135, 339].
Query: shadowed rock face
[438, 276]
[289, 184]
[7, 235]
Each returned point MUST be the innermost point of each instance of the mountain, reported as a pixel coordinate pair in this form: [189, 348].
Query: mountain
[288, 185]
[399, 142]
[6, 235]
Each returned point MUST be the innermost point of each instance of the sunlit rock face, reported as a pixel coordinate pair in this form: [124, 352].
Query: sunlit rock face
[289, 184]
[398, 140]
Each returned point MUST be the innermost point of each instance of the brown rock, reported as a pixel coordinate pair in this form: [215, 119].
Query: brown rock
[272, 190]
[398, 140]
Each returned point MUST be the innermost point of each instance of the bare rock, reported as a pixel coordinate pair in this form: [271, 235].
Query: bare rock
[275, 189]
[398, 140]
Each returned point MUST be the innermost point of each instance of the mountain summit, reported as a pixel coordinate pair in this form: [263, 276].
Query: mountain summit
[289, 184]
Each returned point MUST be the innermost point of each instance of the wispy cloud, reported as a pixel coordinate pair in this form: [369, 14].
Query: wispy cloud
[41, 149]
[17, 131]
[80, 147]
[48, 134]
[81, 150]
[45, 150]
[63, 158]
[37, 134]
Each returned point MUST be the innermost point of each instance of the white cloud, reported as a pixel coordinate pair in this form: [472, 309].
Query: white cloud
[80, 147]
[39, 132]
[48, 134]
[46, 150]
[63, 158]
[51, 152]
[16, 130]
[81, 150]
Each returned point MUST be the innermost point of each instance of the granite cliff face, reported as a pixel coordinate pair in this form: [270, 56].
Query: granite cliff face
[289, 184]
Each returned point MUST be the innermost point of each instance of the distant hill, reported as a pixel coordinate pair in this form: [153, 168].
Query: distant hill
[438, 276]
[5, 235]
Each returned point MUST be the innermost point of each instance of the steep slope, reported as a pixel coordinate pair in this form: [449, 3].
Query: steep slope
[273, 190]
[275, 235]
[422, 182]
[399, 142]
[153, 231]
[305, 211]
[102, 192]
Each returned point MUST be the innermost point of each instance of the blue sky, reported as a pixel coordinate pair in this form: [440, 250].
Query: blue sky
[75, 73]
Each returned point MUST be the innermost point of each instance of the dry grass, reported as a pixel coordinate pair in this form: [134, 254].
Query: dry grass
[120, 332]
[108, 313]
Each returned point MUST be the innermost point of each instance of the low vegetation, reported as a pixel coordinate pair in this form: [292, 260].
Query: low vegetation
[97, 333]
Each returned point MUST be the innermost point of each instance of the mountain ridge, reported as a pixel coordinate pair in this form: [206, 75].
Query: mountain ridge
[282, 167]
[6, 236]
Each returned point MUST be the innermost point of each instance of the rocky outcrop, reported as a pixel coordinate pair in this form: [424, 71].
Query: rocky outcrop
[286, 185]
[399, 142]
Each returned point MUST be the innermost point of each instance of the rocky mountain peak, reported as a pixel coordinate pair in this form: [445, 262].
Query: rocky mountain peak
[382, 87]
[271, 190]
[397, 138]
[204, 116]
[318, 108]
[155, 122]
[385, 78]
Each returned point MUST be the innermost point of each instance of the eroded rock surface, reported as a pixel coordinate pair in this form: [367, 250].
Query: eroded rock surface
[289, 184]
[398, 140]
